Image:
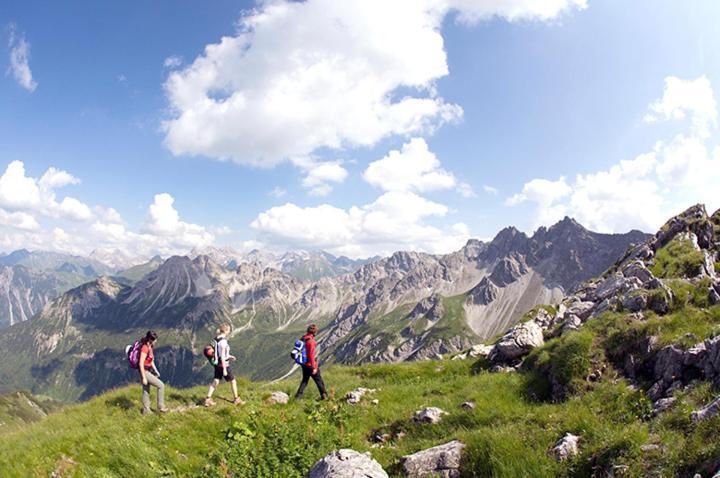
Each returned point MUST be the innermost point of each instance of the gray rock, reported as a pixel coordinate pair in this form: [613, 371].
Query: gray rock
[480, 350]
[502, 369]
[580, 309]
[705, 413]
[615, 285]
[520, 340]
[279, 398]
[649, 448]
[442, 461]
[347, 463]
[635, 302]
[713, 296]
[638, 270]
[663, 405]
[669, 364]
[656, 391]
[566, 447]
[356, 395]
[572, 322]
[429, 415]
[467, 406]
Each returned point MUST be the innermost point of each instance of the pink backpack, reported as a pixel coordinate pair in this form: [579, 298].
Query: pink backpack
[133, 354]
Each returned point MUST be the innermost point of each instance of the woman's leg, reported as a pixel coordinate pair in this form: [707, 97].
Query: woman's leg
[156, 382]
[146, 397]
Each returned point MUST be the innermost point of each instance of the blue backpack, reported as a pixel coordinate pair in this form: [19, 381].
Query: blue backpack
[299, 352]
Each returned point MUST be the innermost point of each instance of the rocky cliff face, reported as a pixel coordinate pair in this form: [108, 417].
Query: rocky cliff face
[23, 293]
[407, 306]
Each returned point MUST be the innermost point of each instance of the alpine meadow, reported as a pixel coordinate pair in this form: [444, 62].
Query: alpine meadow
[360, 239]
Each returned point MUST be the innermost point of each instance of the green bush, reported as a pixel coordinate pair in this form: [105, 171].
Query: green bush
[678, 259]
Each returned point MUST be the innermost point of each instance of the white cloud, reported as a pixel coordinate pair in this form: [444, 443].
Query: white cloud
[18, 220]
[490, 190]
[319, 175]
[19, 192]
[301, 76]
[172, 61]
[414, 168]
[642, 192]
[472, 11]
[683, 97]
[466, 190]
[277, 192]
[393, 221]
[20, 60]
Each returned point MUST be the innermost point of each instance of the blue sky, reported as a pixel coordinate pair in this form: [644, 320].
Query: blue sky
[531, 98]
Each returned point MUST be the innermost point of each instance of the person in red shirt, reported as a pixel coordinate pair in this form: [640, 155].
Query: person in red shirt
[310, 368]
[149, 374]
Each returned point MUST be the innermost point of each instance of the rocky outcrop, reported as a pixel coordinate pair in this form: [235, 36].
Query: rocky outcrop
[442, 461]
[354, 397]
[706, 413]
[347, 463]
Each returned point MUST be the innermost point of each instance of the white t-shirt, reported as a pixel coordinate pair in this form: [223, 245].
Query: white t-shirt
[223, 349]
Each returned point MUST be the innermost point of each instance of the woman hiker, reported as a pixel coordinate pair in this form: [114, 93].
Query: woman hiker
[310, 368]
[149, 374]
[222, 368]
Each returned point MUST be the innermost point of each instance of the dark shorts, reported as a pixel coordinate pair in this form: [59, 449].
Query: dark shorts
[219, 374]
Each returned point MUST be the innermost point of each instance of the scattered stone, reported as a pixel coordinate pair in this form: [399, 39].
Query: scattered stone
[656, 391]
[278, 398]
[380, 437]
[429, 415]
[663, 405]
[347, 463]
[580, 309]
[462, 356]
[713, 296]
[566, 447]
[520, 340]
[635, 302]
[375, 401]
[467, 406]
[502, 369]
[356, 395]
[705, 413]
[615, 285]
[649, 448]
[480, 350]
[441, 461]
[638, 270]
[572, 322]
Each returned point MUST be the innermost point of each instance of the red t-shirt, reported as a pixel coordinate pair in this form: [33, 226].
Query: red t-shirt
[147, 349]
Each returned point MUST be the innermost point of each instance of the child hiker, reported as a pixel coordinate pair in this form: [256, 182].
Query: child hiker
[221, 364]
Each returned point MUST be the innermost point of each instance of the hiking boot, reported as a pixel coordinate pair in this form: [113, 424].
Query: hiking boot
[324, 396]
[238, 401]
[209, 402]
[163, 410]
[147, 411]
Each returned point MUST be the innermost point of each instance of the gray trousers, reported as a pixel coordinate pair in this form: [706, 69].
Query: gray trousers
[155, 382]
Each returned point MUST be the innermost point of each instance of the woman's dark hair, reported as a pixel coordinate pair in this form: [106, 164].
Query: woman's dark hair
[151, 335]
[312, 329]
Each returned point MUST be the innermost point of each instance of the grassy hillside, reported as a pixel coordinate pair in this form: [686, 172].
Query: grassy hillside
[508, 433]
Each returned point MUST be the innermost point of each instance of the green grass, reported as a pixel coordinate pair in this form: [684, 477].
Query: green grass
[507, 433]
[678, 259]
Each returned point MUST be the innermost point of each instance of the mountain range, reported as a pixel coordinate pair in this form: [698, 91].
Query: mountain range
[408, 306]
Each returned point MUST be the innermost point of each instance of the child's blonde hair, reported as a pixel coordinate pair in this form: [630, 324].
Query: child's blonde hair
[224, 329]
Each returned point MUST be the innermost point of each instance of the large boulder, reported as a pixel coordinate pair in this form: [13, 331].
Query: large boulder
[669, 364]
[581, 309]
[347, 463]
[635, 302]
[638, 270]
[615, 285]
[520, 340]
[442, 461]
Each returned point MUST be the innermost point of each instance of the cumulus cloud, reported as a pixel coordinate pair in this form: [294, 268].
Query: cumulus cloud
[74, 227]
[19, 192]
[642, 192]
[20, 60]
[395, 220]
[173, 61]
[414, 168]
[301, 76]
[320, 175]
[686, 97]
[490, 190]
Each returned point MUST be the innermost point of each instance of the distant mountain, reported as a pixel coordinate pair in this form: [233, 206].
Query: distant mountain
[311, 265]
[408, 306]
[28, 280]
[135, 273]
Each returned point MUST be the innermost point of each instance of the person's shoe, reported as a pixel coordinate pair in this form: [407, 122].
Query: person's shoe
[238, 401]
[147, 411]
[209, 402]
[324, 396]
[163, 410]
